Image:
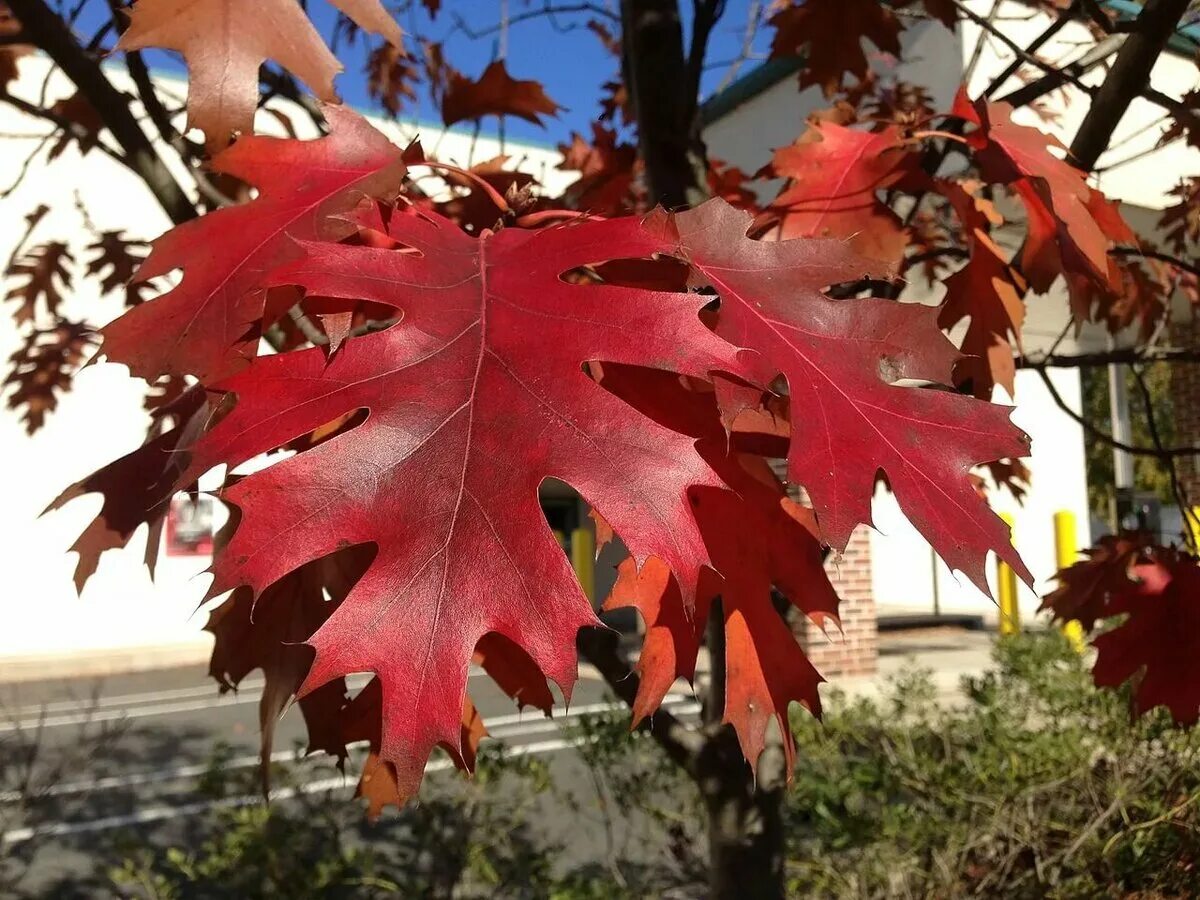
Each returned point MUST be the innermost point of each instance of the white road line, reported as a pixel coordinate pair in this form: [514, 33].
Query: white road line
[145, 705]
[499, 727]
[164, 813]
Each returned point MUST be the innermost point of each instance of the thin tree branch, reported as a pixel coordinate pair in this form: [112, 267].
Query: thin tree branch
[1128, 78]
[1181, 497]
[49, 32]
[1104, 437]
[1124, 356]
[1156, 254]
[680, 742]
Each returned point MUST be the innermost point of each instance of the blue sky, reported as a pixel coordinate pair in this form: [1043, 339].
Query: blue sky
[560, 52]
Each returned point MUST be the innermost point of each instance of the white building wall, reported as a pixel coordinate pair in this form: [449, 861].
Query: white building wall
[121, 610]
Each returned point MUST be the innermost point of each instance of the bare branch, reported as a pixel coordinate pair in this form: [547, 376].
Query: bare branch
[680, 742]
[1128, 78]
[1104, 437]
[49, 32]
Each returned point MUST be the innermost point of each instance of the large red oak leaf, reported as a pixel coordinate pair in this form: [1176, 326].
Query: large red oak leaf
[834, 177]
[473, 399]
[226, 41]
[841, 359]
[1159, 643]
[207, 326]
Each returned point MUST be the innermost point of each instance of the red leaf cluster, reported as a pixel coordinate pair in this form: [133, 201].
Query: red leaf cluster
[586, 351]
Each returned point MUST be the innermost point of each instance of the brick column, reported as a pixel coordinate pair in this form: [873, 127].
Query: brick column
[856, 650]
[1185, 402]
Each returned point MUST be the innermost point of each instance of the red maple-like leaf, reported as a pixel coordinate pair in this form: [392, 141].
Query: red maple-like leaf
[834, 177]
[78, 110]
[208, 325]
[451, 475]
[137, 487]
[268, 634]
[1086, 588]
[607, 169]
[841, 359]
[494, 93]
[226, 41]
[987, 291]
[1158, 645]
[830, 33]
[391, 73]
[1071, 226]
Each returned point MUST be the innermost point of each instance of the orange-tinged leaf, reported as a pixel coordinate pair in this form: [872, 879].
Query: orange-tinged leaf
[835, 175]
[225, 42]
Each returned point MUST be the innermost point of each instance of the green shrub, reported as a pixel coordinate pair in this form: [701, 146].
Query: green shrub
[1038, 786]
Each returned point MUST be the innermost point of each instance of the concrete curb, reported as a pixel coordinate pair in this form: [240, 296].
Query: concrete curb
[104, 662]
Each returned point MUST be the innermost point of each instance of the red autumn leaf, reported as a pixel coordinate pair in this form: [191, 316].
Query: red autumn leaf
[268, 634]
[834, 177]
[137, 487]
[78, 110]
[45, 268]
[988, 292]
[208, 325]
[841, 359]
[1158, 645]
[120, 256]
[1011, 474]
[494, 93]
[43, 367]
[226, 41]
[829, 33]
[1071, 226]
[757, 537]
[451, 475]
[1086, 588]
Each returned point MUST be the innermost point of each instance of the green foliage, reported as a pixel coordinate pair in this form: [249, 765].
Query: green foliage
[1039, 786]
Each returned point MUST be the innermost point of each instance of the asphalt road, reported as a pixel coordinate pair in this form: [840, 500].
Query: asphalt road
[85, 759]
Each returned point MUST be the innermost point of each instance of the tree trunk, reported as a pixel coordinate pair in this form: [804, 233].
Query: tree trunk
[745, 819]
[745, 813]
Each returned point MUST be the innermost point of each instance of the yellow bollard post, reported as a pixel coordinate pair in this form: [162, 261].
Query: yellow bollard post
[1006, 585]
[1066, 552]
[583, 560]
[1192, 524]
